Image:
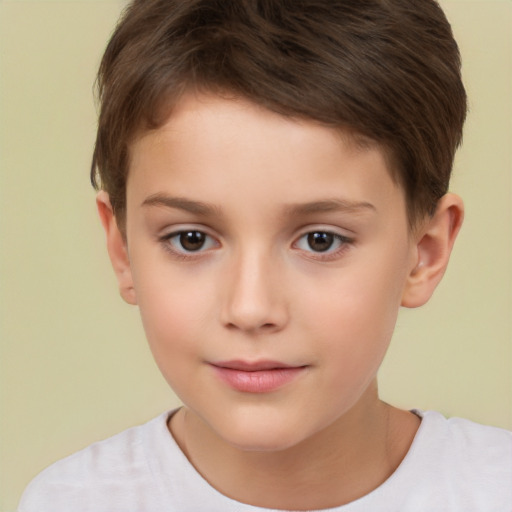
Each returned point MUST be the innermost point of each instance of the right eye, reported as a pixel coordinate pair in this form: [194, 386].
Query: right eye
[189, 241]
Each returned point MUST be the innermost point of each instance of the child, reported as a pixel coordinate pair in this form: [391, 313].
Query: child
[273, 181]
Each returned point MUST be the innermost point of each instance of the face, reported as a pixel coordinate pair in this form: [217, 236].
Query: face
[268, 257]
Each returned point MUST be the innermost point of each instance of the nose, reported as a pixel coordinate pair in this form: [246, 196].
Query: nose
[254, 294]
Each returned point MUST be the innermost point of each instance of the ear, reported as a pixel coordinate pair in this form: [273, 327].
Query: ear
[433, 246]
[117, 248]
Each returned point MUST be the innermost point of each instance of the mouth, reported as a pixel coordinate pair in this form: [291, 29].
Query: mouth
[257, 376]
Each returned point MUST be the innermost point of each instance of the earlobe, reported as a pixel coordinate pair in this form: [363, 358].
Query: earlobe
[434, 243]
[117, 249]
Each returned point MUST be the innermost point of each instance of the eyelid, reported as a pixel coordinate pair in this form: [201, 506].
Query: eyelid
[167, 235]
[345, 241]
[175, 229]
[325, 228]
[337, 236]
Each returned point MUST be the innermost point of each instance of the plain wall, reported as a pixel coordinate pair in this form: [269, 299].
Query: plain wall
[74, 366]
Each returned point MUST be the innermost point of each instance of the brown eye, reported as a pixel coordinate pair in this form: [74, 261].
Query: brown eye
[192, 240]
[320, 241]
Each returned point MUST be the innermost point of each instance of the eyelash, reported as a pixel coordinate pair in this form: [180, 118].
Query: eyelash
[184, 254]
[343, 243]
[328, 254]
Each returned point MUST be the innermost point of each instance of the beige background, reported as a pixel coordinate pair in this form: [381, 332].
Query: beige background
[74, 363]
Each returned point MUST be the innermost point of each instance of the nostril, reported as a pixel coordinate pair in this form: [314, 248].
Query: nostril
[266, 327]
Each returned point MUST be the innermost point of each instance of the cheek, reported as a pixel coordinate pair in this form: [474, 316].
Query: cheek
[357, 316]
[173, 312]
[173, 331]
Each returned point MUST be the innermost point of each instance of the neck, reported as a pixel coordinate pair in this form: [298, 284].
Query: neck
[340, 464]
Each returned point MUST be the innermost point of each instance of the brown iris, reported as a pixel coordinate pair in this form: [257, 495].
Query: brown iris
[320, 242]
[192, 240]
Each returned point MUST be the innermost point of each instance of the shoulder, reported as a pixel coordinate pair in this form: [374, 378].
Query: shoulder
[470, 464]
[110, 471]
[467, 440]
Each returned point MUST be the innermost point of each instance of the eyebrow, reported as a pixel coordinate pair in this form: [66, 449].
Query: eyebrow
[205, 209]
[181, 203]
[329, 205]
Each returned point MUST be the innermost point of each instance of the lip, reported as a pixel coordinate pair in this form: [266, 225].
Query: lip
[256, 376]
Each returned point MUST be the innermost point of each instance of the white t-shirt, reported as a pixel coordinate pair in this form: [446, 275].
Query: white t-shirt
[452, 465]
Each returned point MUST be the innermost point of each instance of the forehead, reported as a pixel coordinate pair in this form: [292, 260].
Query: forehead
[214, 145]
[199, 112]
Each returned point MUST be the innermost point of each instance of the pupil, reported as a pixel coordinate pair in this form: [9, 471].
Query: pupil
[192, 240]
[320, 242]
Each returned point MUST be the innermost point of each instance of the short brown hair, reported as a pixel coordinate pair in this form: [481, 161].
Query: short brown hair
[386, 69]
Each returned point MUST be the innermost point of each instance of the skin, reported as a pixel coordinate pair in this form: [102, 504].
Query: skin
[256, 184]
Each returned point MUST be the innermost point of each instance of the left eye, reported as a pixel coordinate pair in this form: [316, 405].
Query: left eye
[321, 241]
[190, 241]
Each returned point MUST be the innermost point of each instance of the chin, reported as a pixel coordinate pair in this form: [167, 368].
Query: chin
[260, 435]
